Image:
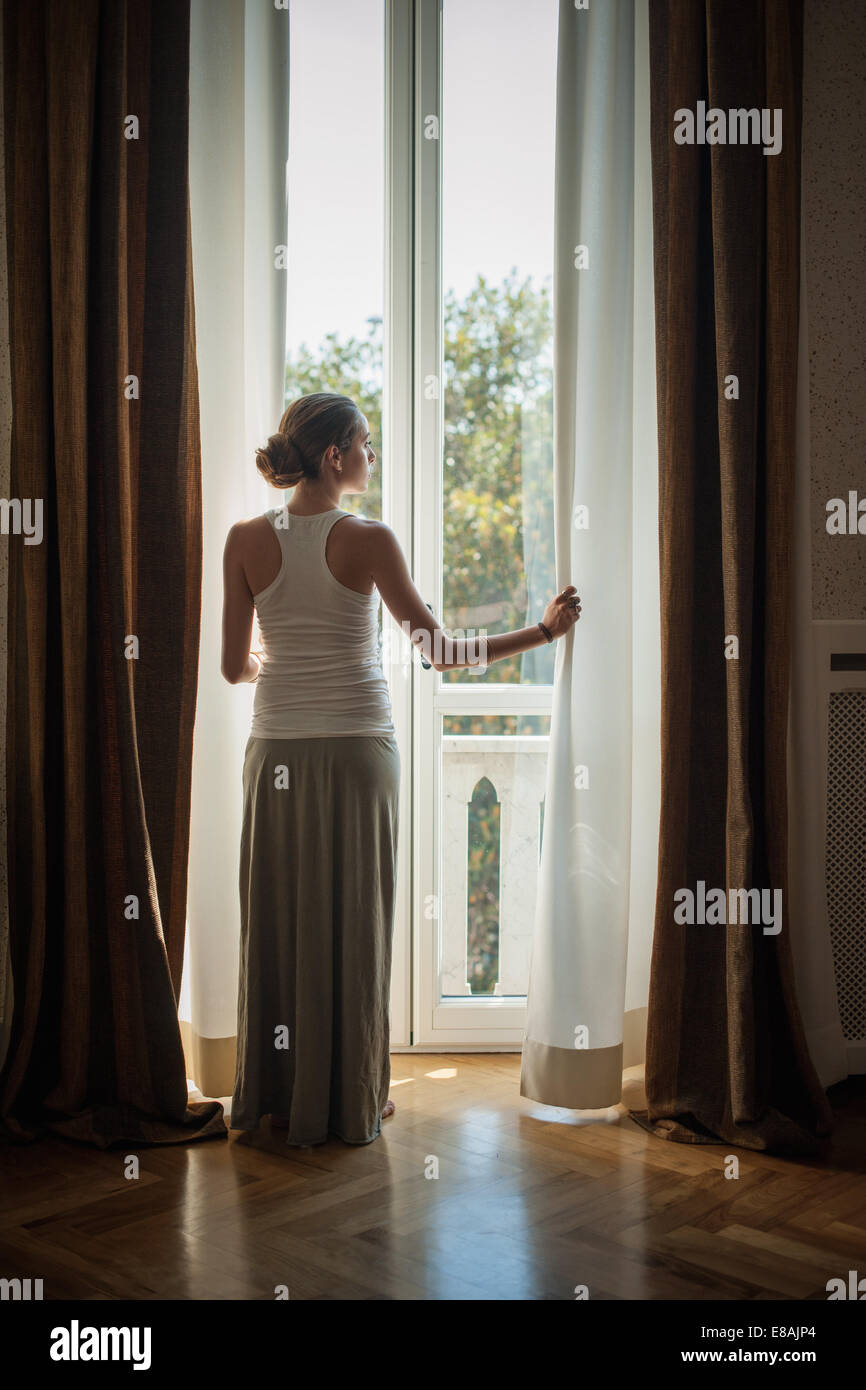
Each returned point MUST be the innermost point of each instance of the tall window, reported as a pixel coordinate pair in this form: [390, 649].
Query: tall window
[484, 225]
[336, 182]
[498, 112]
[421, 212]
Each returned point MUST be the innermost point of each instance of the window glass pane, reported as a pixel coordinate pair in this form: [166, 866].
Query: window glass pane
[496, 724]
[336, 183]
[497, 131]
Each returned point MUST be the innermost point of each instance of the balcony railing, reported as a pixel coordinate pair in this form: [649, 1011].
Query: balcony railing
[515, 766]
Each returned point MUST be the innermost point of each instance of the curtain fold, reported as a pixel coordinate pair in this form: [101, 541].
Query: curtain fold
[103, 614]
[239, 134]
[726, 1054]
[593, 927]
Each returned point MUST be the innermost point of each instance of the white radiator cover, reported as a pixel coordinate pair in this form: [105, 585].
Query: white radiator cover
[840, 655]
[846, 855]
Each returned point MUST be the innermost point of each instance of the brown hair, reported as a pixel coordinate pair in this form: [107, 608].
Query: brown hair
[310, 425]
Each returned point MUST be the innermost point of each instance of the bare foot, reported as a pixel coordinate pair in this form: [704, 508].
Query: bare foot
[389, 1109]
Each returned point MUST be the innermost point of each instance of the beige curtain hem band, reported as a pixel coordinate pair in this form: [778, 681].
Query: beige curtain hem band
[546, 1072]
[210, 1062]
[575, 1078]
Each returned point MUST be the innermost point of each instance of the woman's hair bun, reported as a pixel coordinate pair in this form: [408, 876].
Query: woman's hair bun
[280, 462]
[310, 427]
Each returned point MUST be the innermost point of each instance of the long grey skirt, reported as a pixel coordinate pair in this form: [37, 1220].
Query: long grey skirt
[317, 882]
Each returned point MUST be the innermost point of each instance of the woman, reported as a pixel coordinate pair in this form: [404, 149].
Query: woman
[321, 777]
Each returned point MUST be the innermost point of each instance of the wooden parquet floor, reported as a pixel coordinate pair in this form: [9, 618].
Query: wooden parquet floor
[529, 1202]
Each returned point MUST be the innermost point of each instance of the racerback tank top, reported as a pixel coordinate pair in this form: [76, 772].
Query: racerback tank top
[321, 664]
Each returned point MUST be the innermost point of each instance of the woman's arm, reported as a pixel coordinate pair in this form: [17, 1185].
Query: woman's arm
[394, 582]
[238, 662]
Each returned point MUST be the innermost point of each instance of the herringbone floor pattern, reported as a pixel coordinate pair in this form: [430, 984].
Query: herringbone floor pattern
[529, 1203]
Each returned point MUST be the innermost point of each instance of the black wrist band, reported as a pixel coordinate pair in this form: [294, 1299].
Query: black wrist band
[547, 634]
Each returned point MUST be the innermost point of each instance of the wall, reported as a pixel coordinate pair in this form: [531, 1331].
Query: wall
[834, 192]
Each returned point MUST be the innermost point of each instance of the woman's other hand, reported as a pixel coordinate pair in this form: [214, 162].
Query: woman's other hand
[562, 612]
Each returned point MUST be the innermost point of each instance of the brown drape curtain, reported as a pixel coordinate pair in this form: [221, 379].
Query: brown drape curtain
[726, 1054]
[99, 733]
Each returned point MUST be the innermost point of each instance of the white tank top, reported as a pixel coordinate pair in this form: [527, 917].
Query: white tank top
[321, 665]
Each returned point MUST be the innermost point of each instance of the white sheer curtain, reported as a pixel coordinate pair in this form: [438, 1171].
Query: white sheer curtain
[586, 1016]
[239, 122]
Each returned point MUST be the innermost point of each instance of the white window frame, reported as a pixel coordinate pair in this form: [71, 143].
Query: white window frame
[412, 506]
